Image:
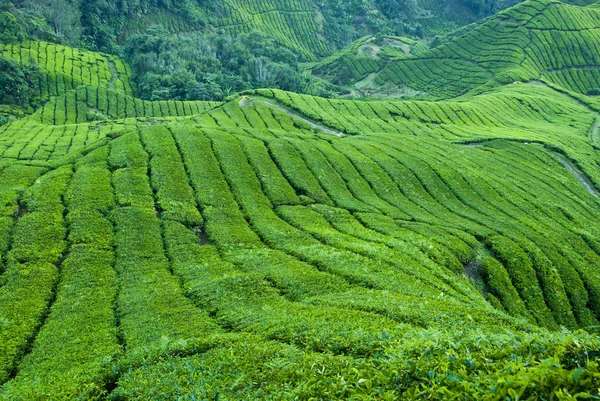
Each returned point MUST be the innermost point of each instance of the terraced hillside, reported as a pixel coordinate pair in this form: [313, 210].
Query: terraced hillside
[65, 68]
[541, 40]
[302, 25]
[153, 250]
[365, 56]
[284, 246]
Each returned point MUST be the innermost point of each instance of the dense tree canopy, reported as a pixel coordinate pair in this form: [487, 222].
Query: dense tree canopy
[10, 30]
[208, 66]
[18, 81]
[196, 60]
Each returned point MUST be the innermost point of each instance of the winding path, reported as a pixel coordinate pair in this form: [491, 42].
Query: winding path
[114, 74]
[582, 178]
[295, 115]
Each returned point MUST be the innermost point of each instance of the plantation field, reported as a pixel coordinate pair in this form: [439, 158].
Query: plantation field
[65, 68]
[236, 251]
[541, 40]
[289, 247]
[70, 123]
[299, 25]
[365, 56]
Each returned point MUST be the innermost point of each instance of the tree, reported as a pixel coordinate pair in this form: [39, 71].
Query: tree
[395, 8]
[65, 20]
[260, 72]
[17, 81]
[10, 30]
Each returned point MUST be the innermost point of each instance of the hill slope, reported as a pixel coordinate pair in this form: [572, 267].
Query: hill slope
[63, 68]
[240, 250]
[312, 28]
[535, 40]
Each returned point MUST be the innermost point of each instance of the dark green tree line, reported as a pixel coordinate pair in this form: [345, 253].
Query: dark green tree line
[18, 81]
[210, 66]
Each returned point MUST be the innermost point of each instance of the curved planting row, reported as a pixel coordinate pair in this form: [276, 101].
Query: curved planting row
[533, 40]
[178, 247]
[70, 123]
[93, 103]
[205, 254]
[293, 23]
[65, 68]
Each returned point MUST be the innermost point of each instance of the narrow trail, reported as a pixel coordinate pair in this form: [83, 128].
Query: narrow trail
[594, 132]
[594, 136]
[114, 74]
[582, 178]
[295, 115]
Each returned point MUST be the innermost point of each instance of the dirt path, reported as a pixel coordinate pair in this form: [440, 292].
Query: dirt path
[595, 132]
[594, 136]
[114, 74]
[303, 119]
[582, 178]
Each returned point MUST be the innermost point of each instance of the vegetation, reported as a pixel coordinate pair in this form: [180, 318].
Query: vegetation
[278, 245]
[18, 81]
[211, 67]
[10, 30]
[103, 24]
[544, 41]
[50, 70]
[208, 50]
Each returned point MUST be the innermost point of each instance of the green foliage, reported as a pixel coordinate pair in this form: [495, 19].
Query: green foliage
[156, 249]
[242, 245]
[175, 197]
[258, 44]
[309, 28]
[556, 38]
[208, 66]
[501, 286]
[98, 104]
[10, 30]
[44, 70]
[37, 246]
[18, 81]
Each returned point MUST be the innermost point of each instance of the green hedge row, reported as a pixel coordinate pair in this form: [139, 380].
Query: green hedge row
[169, 180]
[73, 352]
[32, 268]
[154, 314]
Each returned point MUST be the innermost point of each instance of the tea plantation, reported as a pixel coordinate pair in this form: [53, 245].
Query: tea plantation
[542, 40]
[282, 246]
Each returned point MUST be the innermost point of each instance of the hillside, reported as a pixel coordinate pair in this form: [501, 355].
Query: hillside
[241, 250]
[285, 246]
[536, 40]
[312, 28]
[62, 69]
[208, 50]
